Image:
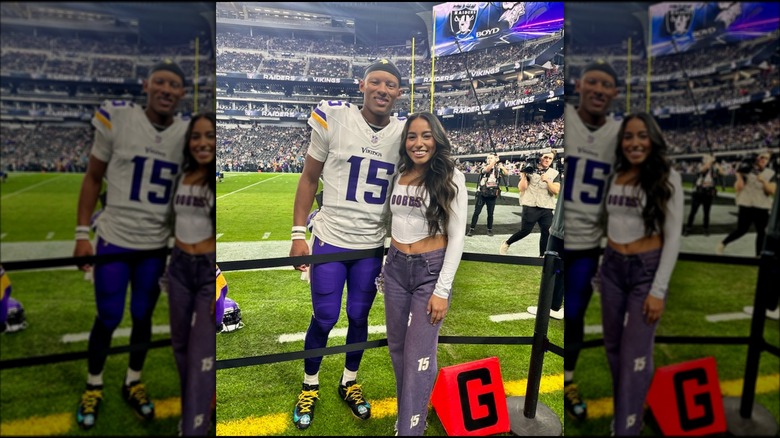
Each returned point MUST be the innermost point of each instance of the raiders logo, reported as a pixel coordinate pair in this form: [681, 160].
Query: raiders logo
[678, 19]
[462, 19]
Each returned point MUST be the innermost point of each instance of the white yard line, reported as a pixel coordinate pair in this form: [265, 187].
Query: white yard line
[250, 185]
[335, 333]
[49, 235]
[118, 333]
[220, 235]
[593, 329]
[511, 317]
[718, 317]
[2, 236]
[31, 187]
[266, 235]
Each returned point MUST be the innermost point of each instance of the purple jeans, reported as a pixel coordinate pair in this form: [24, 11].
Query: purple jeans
[409, 280]
[191, 286]
[628, 338]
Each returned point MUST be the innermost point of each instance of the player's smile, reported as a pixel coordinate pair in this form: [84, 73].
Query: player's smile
[598, 100]
[382, 101]
[166, 101]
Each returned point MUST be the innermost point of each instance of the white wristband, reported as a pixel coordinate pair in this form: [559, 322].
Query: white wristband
[82, 228]
[299, 228]
[298, 237]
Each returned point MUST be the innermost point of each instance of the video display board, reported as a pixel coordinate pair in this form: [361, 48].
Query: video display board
[461, 27]
[697, 25]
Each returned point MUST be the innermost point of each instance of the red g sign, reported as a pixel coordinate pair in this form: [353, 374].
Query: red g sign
[469, 399]
[686, 399]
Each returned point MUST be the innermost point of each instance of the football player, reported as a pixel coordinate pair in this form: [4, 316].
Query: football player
[356, 152]
[591, 140]
[139, 151]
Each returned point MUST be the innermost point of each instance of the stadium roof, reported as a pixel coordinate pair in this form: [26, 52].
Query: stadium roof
[603, 23]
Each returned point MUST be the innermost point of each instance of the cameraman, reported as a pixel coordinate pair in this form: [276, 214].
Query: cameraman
[488, 189]
[704, 191]
[755, 188]
[538, 187]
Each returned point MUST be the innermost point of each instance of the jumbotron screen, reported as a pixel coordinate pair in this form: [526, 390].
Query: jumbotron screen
[693, 26]
[461, 27]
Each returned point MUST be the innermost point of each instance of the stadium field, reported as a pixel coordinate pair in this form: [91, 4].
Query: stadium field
[256, 209]
[38, 217]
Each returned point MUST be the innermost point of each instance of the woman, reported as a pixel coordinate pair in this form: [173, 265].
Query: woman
[429, 206]
[191, 279]
[644, 210]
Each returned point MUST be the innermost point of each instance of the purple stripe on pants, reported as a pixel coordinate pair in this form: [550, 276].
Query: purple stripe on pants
[409, 281]
[327, 290]
[191, 288]
[628, 338]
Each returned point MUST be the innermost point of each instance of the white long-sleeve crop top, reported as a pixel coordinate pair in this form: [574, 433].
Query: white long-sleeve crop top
[408, 204]
[624, 205]
[192, 206]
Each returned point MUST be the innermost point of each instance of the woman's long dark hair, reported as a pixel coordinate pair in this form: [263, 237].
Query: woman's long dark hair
[653, 173]
[438, 178]
[191, 164]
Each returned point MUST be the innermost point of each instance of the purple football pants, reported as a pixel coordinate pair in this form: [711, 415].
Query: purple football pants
[412, 340]
[628, 338]
[327, 289]
[191, 288]
[111, 280]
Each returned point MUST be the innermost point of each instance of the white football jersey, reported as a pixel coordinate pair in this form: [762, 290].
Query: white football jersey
[141, 174]
[590, 157]
[359, 167]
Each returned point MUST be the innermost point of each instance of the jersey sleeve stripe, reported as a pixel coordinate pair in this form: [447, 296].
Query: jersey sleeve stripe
[103, 117]
[320, 117]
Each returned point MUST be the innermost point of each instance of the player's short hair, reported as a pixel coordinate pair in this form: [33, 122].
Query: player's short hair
[170, 66]
[601, 66]
[384, 65]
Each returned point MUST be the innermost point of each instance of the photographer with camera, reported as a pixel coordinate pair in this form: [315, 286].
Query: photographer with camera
[488, 190]
[538, 187]
[704, 191]
[755, 188]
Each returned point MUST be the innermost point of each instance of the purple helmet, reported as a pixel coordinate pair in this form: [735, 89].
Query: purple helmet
[231, 321]
[16, 320]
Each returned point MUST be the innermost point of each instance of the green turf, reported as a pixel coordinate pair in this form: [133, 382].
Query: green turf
[39, 206]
